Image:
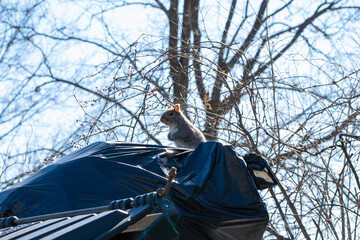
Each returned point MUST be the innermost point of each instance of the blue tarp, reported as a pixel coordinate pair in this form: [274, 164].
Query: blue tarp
[214, 193]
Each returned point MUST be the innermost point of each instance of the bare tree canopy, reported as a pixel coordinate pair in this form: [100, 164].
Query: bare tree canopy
[279, 78]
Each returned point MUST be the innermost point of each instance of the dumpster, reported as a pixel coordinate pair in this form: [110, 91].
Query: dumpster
[213, 196]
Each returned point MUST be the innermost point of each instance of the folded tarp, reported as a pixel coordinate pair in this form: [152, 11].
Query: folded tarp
[214, 193]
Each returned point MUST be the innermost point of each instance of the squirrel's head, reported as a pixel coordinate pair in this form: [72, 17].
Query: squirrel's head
[171, 115]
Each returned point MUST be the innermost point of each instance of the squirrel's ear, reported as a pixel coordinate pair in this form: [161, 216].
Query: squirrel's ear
[177, 107]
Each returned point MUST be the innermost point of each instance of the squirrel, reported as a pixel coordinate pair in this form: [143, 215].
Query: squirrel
[181, 131]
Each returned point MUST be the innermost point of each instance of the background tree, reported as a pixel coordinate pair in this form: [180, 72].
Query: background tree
[279, 78]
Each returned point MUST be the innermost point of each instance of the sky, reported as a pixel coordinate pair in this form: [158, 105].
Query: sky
[149, 27]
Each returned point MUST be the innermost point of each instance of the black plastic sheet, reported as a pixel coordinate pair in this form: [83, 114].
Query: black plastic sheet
[214, 193]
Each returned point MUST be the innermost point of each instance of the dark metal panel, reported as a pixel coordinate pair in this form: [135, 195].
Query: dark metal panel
[47, 229]
[135, 214]
[26, 229]
[88, 228]
[4, 233]
[161, 228]
[143, 223]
